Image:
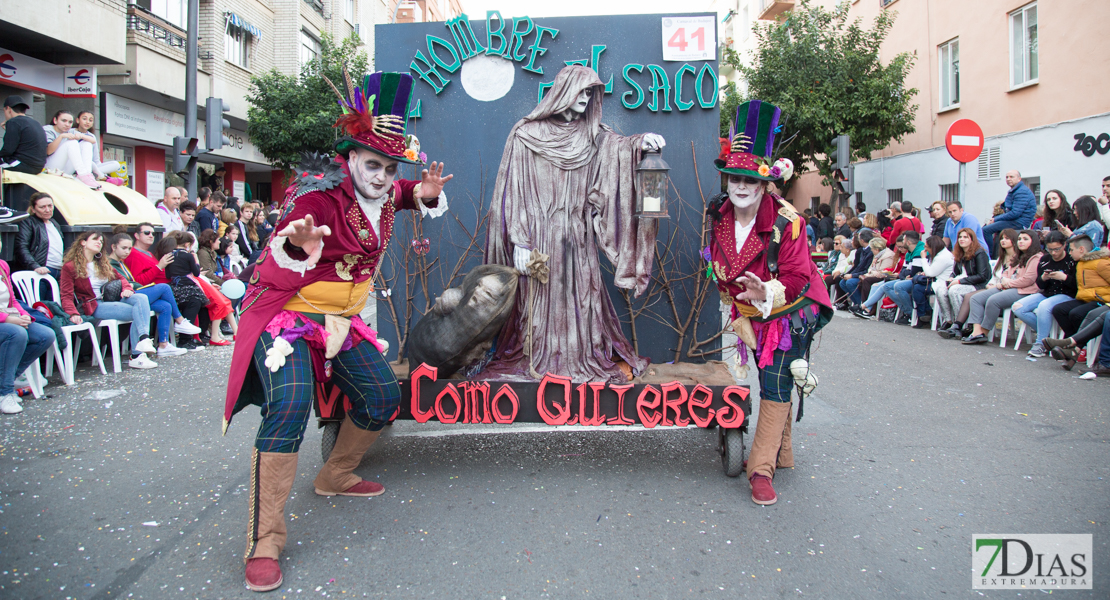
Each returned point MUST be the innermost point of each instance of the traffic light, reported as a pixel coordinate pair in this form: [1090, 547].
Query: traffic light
[846, 183]
[215, 124]
[841, 152]
[184, 154]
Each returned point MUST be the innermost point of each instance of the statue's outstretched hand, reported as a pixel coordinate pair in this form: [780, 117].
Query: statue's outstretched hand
[432, 180]
[653, 142]
[306, 236]
[754, 288]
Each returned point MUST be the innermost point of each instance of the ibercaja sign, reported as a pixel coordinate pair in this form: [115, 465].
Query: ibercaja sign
[556, 400]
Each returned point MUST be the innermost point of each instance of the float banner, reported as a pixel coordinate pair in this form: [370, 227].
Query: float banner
[476, 76]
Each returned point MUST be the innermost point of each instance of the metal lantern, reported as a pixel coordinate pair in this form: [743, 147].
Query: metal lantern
[652, 184]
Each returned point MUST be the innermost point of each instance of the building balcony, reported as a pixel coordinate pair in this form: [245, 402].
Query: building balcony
[773, 8]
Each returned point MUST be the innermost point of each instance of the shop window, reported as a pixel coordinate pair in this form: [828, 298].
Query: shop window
[1024, 65]
[949, 54]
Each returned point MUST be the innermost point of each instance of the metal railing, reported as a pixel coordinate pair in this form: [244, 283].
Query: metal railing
[139, 23]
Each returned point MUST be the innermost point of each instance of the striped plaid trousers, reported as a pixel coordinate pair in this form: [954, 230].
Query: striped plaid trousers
[361, 373]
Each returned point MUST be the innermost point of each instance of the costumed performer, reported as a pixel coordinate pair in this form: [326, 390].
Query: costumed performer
[764, 272]
[565, 190]
[300, 321]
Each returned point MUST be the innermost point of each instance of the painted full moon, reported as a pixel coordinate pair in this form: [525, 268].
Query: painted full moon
[487, 78]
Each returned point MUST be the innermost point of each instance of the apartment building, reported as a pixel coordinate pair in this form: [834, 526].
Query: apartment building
[124, 60]
[1029, 73]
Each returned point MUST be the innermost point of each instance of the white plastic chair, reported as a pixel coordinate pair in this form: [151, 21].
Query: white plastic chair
[113, 339]
[33, 379]
[28, 284]
[1092, 351]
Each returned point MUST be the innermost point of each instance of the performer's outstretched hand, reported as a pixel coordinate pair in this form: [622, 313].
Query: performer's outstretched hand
[306, 236]
[432, 180]
[754, 288]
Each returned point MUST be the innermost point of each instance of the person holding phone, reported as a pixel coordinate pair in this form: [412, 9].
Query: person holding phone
[1056, 278]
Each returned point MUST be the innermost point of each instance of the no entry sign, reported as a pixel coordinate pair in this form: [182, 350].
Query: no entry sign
[964, 140]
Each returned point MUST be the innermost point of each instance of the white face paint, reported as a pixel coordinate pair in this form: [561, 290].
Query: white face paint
[371, 174]
[745, 191]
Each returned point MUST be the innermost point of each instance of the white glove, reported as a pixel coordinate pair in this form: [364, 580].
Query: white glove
[521, 256]
[653, 142]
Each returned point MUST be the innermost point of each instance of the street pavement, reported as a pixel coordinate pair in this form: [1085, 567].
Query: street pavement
[910, 446]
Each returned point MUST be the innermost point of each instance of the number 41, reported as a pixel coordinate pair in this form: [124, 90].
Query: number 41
[678, 40]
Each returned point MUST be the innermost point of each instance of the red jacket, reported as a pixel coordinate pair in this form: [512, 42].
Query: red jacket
[901, 226]
[81, 290]
[797, 273]
[144, 268]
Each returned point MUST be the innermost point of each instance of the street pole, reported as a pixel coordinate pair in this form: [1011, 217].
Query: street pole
[191, 91]
[960, 185]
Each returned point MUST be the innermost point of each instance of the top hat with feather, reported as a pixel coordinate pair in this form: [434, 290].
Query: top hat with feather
[752, 143]
[375, 116]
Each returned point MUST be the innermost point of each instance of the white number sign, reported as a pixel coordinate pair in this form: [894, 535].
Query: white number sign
[689, 38]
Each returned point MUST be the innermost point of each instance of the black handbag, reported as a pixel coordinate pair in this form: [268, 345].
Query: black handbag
[112, 291]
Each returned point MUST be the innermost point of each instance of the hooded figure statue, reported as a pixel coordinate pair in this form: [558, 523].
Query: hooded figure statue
[564, 191]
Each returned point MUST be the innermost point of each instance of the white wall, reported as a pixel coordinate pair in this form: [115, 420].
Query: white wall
[1044, 152]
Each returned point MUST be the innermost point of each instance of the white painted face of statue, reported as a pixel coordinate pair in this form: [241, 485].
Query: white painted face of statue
[744, 191]
[580, 103]
[371, 173]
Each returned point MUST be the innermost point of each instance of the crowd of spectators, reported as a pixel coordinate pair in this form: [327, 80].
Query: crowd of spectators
[1049, 265]
[129, 275]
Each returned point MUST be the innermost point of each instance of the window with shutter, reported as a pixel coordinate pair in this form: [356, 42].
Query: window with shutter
[949, 192]
[990, 163]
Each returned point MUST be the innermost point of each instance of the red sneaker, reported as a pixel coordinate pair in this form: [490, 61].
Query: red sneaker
[263, 574]
[362, 489]
[762, 492]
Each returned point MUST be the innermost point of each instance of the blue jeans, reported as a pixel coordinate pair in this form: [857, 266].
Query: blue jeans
[19, 347]
[851, 287]
[135, 308]
[921, 293]
[1104, 345]
[878, 291]
[899, 292]
[1036, 311]
[161, 301]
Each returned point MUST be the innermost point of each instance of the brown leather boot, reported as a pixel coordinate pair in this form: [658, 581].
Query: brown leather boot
[769, 432]
[272, 475]
[337, 477]
[786, 451]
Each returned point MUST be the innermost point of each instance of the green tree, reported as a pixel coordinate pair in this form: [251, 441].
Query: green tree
[293, 114]
[826, 75]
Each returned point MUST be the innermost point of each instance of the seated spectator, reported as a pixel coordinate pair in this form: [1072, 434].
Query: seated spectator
[1018, 211]
[1092, 276]
[854, 225]
[100, 169]
[901, 291]
[159, 295]
[236, 257]
[227, 218]
[1087, 221]
[1019, 279]
[1007, 248]
[902, 220]
[832, 253]
[188, 212]
[1057, 213]
[263, 228]
[839, 260]
[22, 341]
[69, 151]
[971, 272]
[167, 209]
[938, 267]
[840, 225]
[211, 267]
[940, 220]
[880, 270]
[184, 275]
[958, 219]
[144, 267]
[849, 281]
[881, 283]
[1104, 202]
[1067, 349]
[208, 215]
[86, 275]
[24, 138]
[38, 244]
[1056, 279]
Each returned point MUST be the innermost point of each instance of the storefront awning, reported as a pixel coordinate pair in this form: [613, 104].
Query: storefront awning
[79, 205]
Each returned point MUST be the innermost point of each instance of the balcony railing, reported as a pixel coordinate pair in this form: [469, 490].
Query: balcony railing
[151, 26]
[317, 5]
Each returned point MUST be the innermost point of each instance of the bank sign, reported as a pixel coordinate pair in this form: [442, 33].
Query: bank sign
[22, 71]
[1014, 561]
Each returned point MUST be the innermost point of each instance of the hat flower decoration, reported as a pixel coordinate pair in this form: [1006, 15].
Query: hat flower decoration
[375, 116]
[752, 144]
